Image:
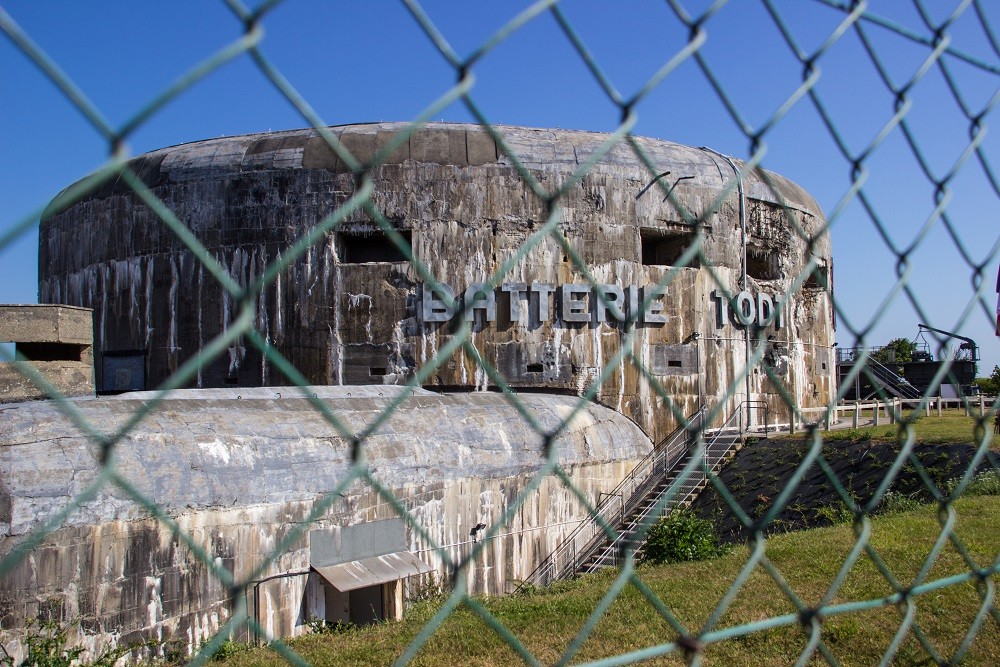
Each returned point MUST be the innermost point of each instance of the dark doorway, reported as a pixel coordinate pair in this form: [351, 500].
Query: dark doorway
[366, 605]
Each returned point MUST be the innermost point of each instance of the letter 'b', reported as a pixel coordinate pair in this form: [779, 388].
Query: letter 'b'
[435, 309]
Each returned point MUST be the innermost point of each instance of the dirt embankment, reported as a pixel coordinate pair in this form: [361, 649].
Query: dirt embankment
[761, 470]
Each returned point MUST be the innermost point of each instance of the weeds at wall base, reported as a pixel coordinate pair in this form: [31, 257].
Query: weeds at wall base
[46, 642]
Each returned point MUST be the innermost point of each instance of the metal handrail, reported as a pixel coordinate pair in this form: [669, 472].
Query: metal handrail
[756, 405]
[879, 373]
[610, 553]
[891, 380]
[565, 558]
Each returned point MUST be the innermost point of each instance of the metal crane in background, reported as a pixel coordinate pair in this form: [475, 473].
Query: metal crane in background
[913, 378]
[967, 351]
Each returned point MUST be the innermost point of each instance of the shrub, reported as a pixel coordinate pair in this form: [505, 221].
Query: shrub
[682, 536]
[430, 589]
[320, 626]
[46, 643]
[896, 351]
[990, 385]
[226, 649]
[984, 484]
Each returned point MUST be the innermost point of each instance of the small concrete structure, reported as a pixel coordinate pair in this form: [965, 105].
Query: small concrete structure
[58, 341]
[238, 470]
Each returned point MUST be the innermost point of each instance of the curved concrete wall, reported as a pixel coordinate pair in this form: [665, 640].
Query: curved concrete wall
[345, 320]
[237, 470]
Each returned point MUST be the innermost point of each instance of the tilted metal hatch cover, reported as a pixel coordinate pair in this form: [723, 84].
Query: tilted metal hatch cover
[372, 571]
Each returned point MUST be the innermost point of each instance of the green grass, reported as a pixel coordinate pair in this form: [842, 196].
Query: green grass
[547, 621]
[951, 427]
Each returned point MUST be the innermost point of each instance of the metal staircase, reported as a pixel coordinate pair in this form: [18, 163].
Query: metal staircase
[630, 504]
[891, 382]
[871, 377]
[681, 490]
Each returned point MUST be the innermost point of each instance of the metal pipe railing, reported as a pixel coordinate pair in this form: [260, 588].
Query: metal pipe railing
[612, 506]
[611, 554]
[890, 379]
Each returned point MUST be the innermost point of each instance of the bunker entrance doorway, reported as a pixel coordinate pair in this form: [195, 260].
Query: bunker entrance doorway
[367, 591]
[361, 606]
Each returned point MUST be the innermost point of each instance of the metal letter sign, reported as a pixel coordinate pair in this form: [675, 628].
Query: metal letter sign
[586, 304]
[573, 303]
[435, 309]
[747, 310]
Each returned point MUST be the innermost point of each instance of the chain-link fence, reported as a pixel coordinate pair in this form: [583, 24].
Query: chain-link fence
[700, 429]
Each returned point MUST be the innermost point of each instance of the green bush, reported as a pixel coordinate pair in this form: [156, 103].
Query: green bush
[835, 514]
[46, 642]
[431, 588]
[896, 351]
[321, 626]
[682, 536]
[228, 649]
[990, 385]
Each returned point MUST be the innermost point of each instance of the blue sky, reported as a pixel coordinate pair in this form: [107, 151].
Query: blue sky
[370, 61]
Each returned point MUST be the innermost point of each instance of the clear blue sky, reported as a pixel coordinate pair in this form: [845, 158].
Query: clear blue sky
[370, 61]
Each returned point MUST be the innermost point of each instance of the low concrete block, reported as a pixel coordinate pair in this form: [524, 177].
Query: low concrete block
[45, 323]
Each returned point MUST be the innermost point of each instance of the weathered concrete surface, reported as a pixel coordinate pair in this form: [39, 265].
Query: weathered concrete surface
[467, 211]
[59, 342]
[237, 470]
[67, 377]
[44, 323]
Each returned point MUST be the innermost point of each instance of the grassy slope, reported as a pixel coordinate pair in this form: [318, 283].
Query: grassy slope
[547, 621]
[951, 427]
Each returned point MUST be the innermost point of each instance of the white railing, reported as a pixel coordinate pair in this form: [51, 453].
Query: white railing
[889, 411]
[890, 380]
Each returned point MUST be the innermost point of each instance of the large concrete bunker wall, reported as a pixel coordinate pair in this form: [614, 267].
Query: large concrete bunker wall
[344, 314]
[237, 471]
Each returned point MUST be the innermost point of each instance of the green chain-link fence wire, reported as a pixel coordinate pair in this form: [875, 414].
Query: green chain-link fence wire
[941, 55]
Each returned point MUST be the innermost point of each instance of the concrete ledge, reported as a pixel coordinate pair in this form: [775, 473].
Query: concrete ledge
[45, 323]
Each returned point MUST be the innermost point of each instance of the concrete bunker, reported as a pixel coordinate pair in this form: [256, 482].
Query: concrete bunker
[241, 471]
[349, 310]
